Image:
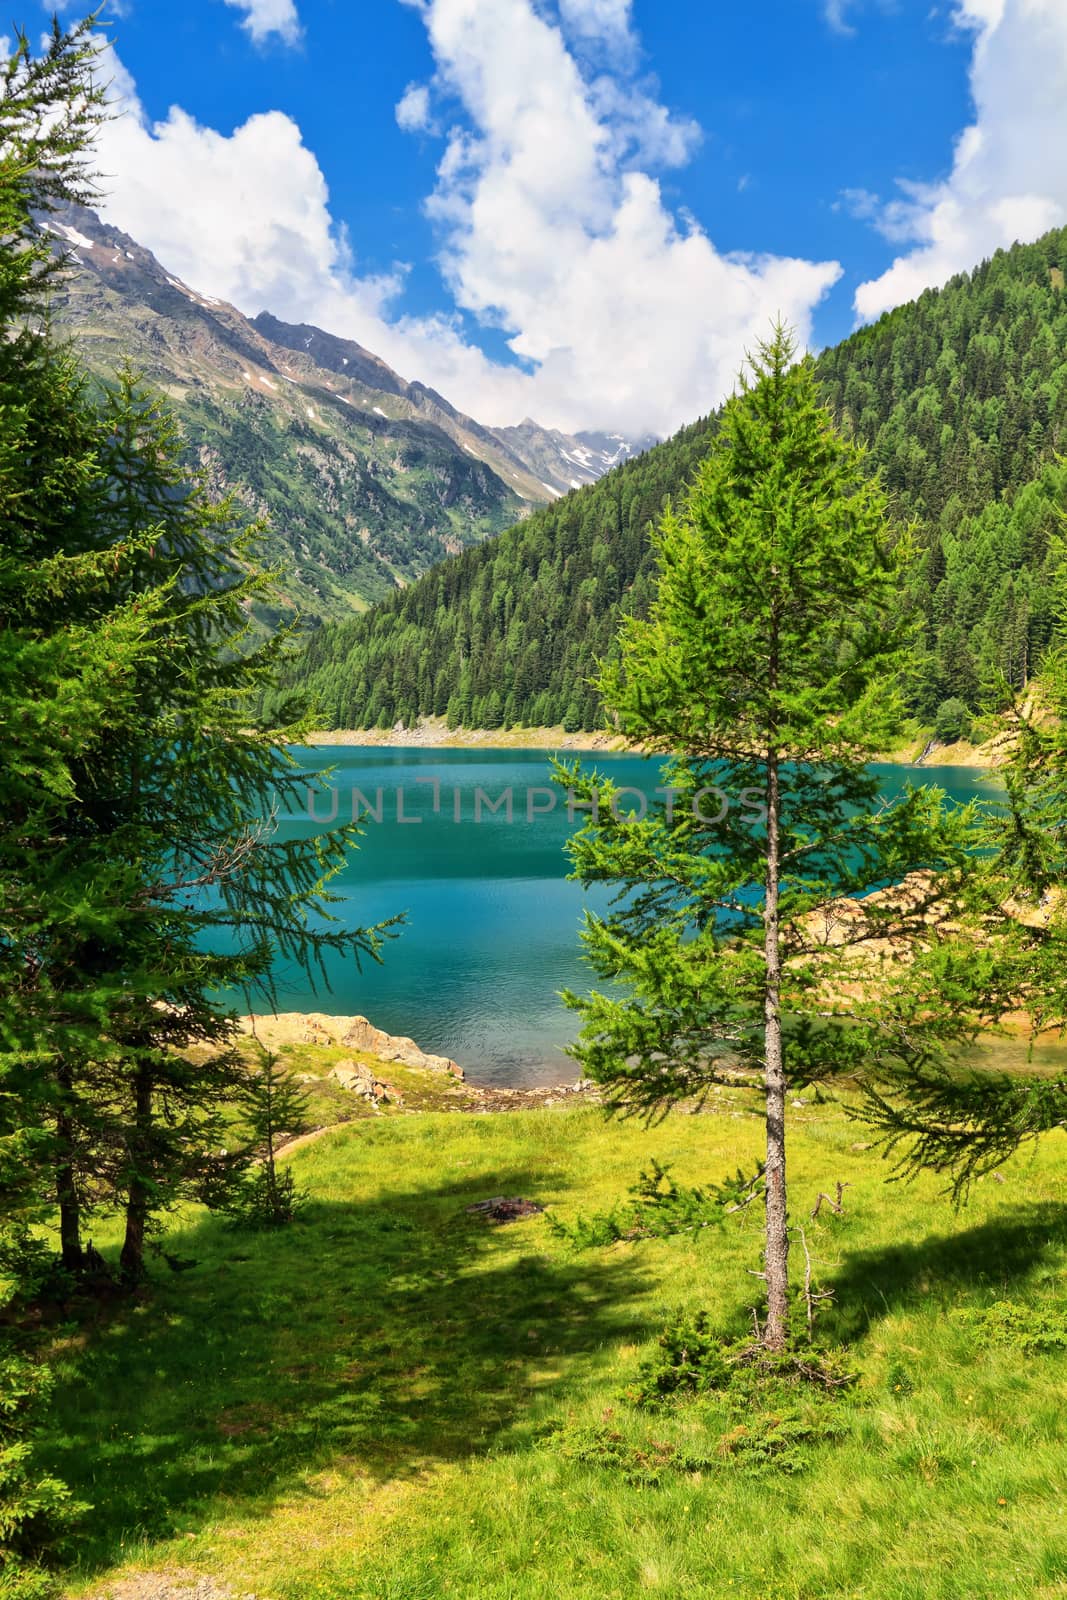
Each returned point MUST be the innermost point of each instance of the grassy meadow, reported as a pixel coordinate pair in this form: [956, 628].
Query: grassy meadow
[394, 1400]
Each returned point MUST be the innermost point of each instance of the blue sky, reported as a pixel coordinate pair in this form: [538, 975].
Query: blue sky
[583, 209]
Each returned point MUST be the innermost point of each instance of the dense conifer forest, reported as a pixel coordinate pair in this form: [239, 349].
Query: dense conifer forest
[961, 399]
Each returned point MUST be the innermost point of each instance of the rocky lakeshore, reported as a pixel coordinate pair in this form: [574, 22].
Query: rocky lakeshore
[433, 733]
[351, 1068]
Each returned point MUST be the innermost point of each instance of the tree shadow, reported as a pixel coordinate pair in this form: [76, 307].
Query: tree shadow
[1002, 1254]
[387, 1335]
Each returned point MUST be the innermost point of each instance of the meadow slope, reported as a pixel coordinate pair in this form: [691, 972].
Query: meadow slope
[393, 1400]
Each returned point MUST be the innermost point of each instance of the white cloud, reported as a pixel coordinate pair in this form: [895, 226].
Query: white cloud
[602, 19]
[552, 229]
[601, 28]
[862, 204]
[641, 131]
[979, 13]
[266, 17]
[836, 14]
[552, 224]
[245, 216]
[1009, 174]
[413, 108]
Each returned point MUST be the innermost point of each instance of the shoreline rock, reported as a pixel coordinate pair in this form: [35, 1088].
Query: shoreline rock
[359, 1079]
[351, 1033]
[363, 1035]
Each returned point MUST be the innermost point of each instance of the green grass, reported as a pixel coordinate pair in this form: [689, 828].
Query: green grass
[328, 1103]
[368, 1406]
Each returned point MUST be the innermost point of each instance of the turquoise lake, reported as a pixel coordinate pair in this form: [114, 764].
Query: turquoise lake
[492, 922]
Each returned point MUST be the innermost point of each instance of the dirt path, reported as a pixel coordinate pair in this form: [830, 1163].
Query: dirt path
[177, 1585]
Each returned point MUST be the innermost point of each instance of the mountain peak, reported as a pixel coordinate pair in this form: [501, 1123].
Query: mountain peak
[366, 479]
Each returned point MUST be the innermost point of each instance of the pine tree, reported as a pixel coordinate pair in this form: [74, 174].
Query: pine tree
[71, 641]
[768, 664]
[141, 876]
[274, 1106]
[205, 896]
[65, 687]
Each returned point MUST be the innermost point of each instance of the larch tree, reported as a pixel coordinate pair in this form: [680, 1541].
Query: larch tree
[767, 670]
[1004, 955]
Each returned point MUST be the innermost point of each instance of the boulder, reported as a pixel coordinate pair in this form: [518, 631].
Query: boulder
[363, 1035]
[352, 1075]
[317, 1030]
[359, 1079]
[354, 1033]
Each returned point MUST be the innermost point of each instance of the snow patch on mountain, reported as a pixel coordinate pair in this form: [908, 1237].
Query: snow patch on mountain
[72, 235]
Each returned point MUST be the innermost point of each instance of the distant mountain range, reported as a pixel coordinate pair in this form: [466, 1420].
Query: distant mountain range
[366, 480]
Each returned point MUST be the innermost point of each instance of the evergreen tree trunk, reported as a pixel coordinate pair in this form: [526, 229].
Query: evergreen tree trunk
[131, 1261]
[66, 1188]
[272, 1173]
[776, 1254]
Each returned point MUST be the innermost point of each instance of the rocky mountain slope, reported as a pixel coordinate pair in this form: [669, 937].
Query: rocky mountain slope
[571, 462]
[539, 463]
[366, 480]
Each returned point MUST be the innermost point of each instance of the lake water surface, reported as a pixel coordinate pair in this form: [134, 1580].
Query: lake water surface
[492, 930]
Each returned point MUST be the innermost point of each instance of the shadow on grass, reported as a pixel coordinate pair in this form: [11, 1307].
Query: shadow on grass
[390, 1335]
[1000, 1255]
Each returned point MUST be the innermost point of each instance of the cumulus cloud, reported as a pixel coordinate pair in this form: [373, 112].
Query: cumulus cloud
[600, 19]
[641, 131]
[1009, 173]
[413, 108]
[264, 18]
[554, 229]
[551, 220]
[244, 215]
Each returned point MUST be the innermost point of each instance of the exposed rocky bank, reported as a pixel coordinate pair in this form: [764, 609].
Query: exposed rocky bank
[351, 1068]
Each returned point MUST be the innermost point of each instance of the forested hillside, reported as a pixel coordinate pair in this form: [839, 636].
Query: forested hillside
[962, 399]
[508, 638]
